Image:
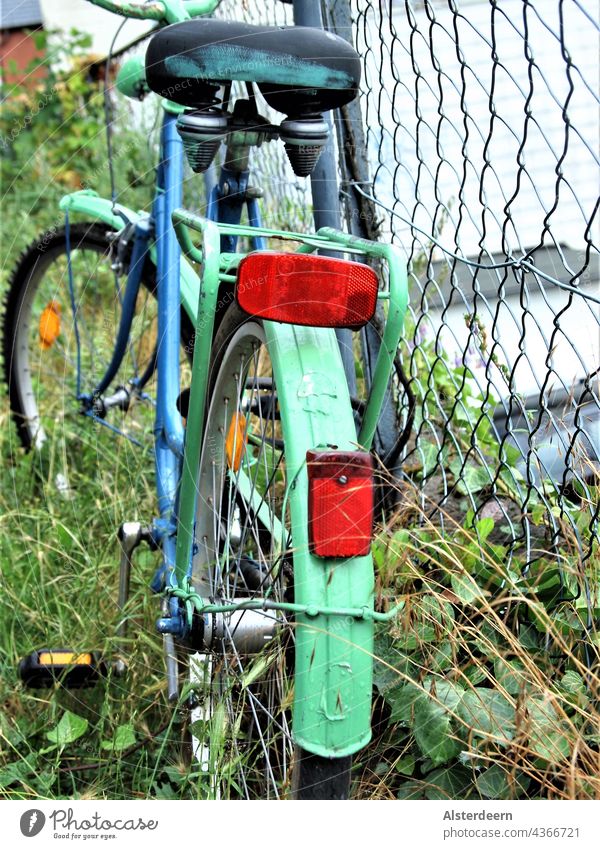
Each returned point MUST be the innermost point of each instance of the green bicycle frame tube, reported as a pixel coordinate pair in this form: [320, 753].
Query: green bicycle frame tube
[164, 11]
[87, 202]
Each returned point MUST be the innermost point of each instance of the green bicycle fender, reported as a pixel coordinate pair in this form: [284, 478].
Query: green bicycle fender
[334, 654]
[96, 208]
[90, 204]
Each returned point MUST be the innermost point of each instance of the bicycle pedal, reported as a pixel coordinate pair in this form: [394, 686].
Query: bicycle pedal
[73, 670]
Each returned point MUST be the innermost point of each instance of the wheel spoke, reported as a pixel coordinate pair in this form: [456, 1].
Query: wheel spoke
[242, 527]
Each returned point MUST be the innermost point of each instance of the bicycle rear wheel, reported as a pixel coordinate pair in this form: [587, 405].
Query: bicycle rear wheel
[244, 551]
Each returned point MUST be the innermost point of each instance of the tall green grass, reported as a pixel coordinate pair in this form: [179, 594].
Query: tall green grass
[479, 692]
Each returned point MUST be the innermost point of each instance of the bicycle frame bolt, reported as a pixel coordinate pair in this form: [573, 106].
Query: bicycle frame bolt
[343, 479]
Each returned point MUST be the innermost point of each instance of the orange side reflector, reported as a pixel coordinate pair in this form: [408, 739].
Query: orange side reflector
[48, 658]
[235, 444]
[49, 325]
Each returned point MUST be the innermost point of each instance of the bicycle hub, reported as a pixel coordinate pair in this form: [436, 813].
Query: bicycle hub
[243, 631]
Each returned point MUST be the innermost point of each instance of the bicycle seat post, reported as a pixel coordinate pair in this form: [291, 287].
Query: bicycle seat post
[232, 192]
[324, 186]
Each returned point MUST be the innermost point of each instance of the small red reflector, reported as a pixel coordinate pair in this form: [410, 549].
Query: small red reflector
[316, 291]
[340, 502]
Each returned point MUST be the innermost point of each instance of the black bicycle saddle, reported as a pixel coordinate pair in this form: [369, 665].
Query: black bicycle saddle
[299, 70]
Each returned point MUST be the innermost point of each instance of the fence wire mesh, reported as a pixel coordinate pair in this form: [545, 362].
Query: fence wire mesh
[481, 122]
[480, 126]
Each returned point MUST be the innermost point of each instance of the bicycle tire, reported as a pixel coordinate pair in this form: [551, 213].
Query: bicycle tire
[220, 571]
[40, 276]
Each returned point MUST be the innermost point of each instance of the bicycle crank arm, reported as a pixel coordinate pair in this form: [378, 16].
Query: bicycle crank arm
[130, 534]
[172, 667]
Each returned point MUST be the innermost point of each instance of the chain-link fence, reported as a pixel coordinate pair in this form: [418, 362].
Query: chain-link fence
[481, 123]
[474, 148]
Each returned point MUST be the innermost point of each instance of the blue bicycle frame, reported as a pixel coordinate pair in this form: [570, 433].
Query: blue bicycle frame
[155, 235]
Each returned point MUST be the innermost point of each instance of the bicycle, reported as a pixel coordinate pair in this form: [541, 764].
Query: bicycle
[264, 483]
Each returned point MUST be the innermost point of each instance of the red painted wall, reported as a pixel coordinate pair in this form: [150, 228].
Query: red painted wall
[18, 45]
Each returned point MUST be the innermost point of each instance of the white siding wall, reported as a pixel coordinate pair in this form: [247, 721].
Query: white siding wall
[448, 143]
[546, 134]
[85, 17]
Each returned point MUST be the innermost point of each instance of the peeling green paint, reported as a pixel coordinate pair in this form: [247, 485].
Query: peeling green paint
[235, 62]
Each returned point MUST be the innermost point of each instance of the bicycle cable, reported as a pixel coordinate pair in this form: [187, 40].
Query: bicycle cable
[108, 117]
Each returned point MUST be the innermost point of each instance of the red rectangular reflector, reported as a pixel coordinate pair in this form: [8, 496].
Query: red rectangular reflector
[340, 502]
[304, 289]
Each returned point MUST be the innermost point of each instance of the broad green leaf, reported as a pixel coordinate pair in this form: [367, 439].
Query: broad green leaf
[401, 539]
[416, 635]
[470, 479]
[453, 782]
[513, 479]
[538, 513]
[551, 745]
[433, 731]
[567, 621]
[44, 780]
[572, 683]
[528, 637]
[13, 773]
[541, 711]
[428, 453]
[390, 665]
[437, 610]
[70, 728]
[123, 739]
[475, 673]
[484, 527]
[510, 674]
[495, 783]
[488, 642]
[175, 774]
[200, 729]
[411, 790]
[406, 765]
[431, 620]
[446, 692]
[40, 39]
[467, 588]
[441, 659]
[378, 551]
[548, 737]
[164, 791]
[401, 700]
[512, 453]
[488, 713]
